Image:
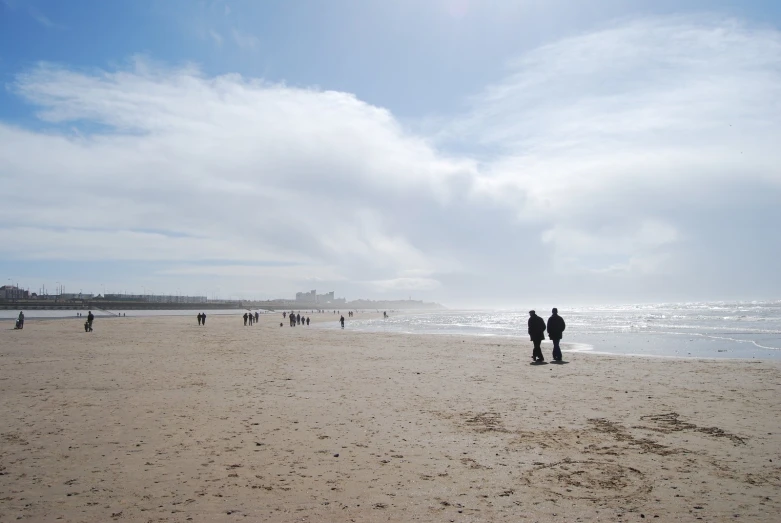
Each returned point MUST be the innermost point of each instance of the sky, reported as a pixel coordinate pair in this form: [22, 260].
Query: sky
[477, 154]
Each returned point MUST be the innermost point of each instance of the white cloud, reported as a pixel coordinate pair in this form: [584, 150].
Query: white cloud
[608, 153]
[245, 40]
[640, 248]
[602, 133]
[406, 284]
[39, 17]
[218, 169]
[217, 37]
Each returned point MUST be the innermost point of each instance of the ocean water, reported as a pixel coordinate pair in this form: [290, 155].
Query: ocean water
[695, 330]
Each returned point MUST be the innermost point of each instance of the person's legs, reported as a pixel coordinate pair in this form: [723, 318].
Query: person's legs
[556, 350]
[537, 353]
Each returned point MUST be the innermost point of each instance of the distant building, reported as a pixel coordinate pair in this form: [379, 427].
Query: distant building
[155, 298]
[11, 292]
[307, 297]
[314, 298]
[74, 296]
[328, 297]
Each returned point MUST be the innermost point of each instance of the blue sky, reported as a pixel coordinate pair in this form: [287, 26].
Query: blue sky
[462, 151]
[414, 58]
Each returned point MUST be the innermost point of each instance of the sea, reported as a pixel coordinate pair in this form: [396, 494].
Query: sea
[746, 330]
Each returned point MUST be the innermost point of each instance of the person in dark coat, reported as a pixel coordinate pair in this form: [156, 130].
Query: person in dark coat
[307, 320]
[537, 334]
[257, 316]
[341, 320]
[199, 318]
[245, 319]
[20, 321]
[556, 328]
[203, 318]
[90, 318]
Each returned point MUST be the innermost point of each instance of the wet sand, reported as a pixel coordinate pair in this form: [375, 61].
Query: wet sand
[158, 419]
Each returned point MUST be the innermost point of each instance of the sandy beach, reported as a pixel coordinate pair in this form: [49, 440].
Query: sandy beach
[158, 419]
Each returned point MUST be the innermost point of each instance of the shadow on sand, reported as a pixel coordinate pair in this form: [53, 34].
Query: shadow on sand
[538, 363]
[559, 362]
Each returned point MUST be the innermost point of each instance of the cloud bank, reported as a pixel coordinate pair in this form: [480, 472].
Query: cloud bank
[638, 160]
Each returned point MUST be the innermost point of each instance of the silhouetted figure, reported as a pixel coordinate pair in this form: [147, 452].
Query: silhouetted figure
[284, 315]
[245, 319]
[385, 315]
[537, 334]
[251, 319]
[341, 320]
[257, 316]
[298, 319]
[307, 321]
[203, 318]
[20, 321]
[556, 328]
[90, 319]
[199, 318]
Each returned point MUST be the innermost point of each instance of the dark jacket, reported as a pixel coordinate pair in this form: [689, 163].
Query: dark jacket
[536, 328]
[556, 327]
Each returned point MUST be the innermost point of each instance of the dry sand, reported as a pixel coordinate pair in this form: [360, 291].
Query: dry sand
[157, 419]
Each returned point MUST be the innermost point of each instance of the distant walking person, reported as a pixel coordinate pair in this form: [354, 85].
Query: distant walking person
[199, 318]
[298, 319]
[20, 321]
[537, 334]
[307, 320]
[90, 319]
[245, 319]
[257, 316]
[341, 320]
[556, 328]
[203, 318]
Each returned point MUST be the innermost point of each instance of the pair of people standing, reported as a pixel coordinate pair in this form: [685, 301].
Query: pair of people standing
[537, 328]
[201, 318]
